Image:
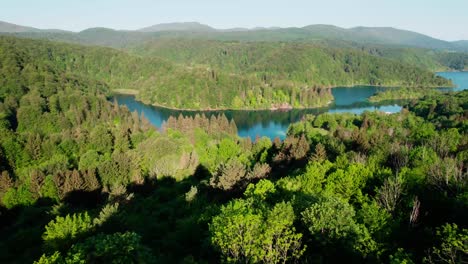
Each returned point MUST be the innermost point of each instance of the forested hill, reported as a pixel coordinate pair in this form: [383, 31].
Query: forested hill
[400, 45]
[193, 30]
[8, 27]
[316, 64]
[186, 50]
[224, 75]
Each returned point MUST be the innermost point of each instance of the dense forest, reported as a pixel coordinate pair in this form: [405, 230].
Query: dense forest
[84, 180]
[317, 64]
[209, 51]
[160, 82]
[237, 76]
[403, 46]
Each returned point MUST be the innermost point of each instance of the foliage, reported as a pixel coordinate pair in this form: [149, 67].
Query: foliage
[245, 232]
[452, 247]
[340, 188]
[401, 94]
[114, 248]
[64, 231]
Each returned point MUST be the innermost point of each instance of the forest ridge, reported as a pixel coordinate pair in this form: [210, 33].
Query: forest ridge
[369, 35]
[220, 75]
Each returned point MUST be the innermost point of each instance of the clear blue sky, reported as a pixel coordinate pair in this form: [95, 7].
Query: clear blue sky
[445, 19]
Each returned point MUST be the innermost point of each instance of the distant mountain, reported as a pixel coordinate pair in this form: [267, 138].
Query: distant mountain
[377, 35]
[461, 42]
[13, 28]
[194, 30]
[237, 29]
[185, 26]
[462, 45]
[395, 36]
[6, 27]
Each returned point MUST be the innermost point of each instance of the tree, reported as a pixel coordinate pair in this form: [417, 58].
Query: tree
[117, 171]
[261, 148]
[89, 159]
[452, 245]
[332, 223]
[227, 149]
[37, 180]
[376, 219]
[6, 182]
[49, 190]
[91, 182]
[229, 175]
[280, 242]
[401, 257]
[348, 182]
[73, 182]
[246, 233]
[101, 139]
[320, 153]
[18, 197]
[55, 258]
[236, 232]
[330, 219]
[300, 150]
[389, 194]
[33, 146]
[64, 231]
[259, 171]
[261, 190]
[448, 175]
[399, 156]
[117, 248]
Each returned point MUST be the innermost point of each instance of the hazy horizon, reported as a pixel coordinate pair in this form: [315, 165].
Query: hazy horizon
[418, 16]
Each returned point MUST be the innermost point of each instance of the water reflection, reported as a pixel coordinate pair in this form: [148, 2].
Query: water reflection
[265, 122]
[275, 124]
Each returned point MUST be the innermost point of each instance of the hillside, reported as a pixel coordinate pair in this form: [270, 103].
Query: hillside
[462, 45]
[424, 58]
[158, 81]
[224, 75]
[400, 45]
[13, 28]
[393, 36]
[309, 63]
[132, 40]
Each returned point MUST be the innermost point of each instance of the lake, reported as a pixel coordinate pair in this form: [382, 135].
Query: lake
[275, 123]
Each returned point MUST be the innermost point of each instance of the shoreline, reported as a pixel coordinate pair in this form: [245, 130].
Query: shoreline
[125, 91]
[234, 109]
[133, 92]
[465, 70]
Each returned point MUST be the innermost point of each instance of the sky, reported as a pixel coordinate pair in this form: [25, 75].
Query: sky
[444, 19]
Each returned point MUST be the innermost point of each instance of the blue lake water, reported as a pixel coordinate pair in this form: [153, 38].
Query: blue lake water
[460, 79]
[275, 123]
